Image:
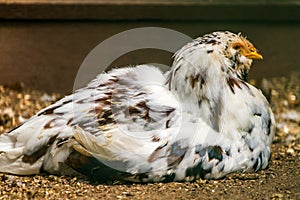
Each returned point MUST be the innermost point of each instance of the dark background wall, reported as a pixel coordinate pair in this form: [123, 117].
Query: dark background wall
[43, 43]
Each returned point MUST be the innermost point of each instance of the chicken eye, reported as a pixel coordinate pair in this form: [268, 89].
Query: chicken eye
[236, 47]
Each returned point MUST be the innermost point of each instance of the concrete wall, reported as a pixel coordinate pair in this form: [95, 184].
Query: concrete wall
[45, 49]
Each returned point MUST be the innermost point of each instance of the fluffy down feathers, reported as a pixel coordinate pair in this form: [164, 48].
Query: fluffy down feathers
[200, 119]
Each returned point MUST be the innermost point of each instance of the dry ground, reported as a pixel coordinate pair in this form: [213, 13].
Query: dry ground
[281, 180]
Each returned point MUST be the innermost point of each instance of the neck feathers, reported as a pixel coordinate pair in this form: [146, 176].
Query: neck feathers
[197, 76]
[199, 82]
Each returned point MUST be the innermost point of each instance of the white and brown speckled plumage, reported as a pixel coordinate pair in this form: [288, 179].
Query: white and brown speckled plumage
[201, 119]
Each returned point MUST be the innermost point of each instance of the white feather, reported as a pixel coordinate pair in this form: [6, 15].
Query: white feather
[198, 120]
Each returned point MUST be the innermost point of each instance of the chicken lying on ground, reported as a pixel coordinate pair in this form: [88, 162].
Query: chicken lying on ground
[200, 119]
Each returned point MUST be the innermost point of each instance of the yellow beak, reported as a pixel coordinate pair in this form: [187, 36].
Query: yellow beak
[254, 55]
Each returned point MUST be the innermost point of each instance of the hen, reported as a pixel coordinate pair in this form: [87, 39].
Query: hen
[200, 119]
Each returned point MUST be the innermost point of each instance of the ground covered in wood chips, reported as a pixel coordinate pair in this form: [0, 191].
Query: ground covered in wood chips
[281, 180]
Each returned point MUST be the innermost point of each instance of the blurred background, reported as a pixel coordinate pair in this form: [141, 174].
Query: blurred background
[44, 42]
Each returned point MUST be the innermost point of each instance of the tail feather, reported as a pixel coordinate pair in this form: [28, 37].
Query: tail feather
[12, 158]
[26, 149]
